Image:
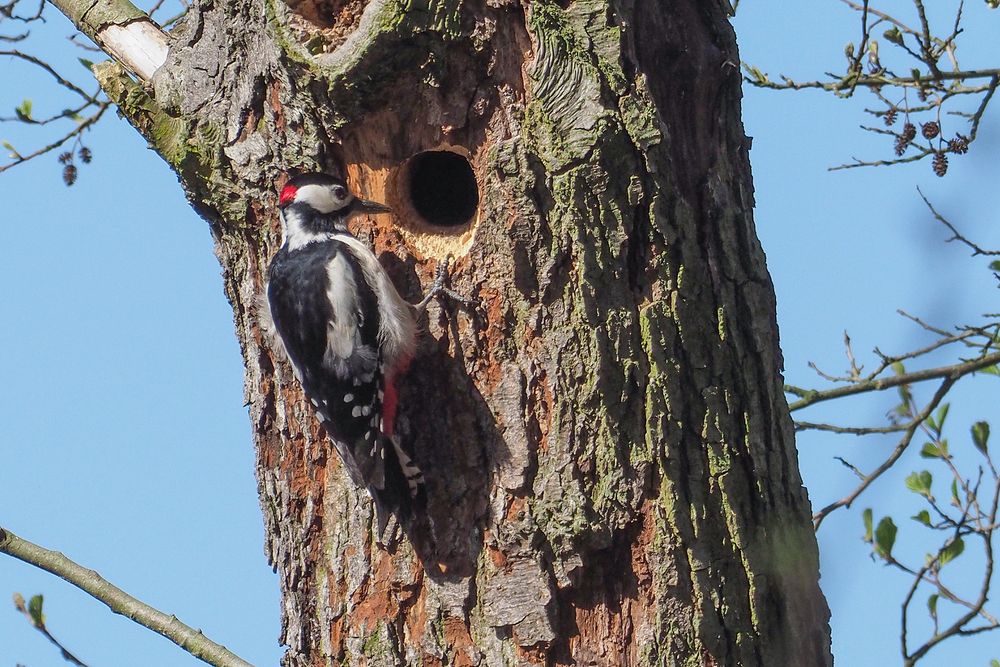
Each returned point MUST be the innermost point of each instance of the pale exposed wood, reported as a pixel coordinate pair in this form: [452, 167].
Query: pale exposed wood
[139, 45]
[122, 30]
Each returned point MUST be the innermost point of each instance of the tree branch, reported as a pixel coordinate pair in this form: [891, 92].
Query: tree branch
[27, 57]
[955, 234]
[122, 30]
[901, 446]
[948, 372]
[878, 80]
[75, 132]
[120, 602]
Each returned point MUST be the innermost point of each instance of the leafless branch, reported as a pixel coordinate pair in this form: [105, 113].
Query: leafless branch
[955, 234]
[916, 50]
[7, 12]
[68, 85]
[901, 446]
[75, 132]
[191, 640]
[953, 372]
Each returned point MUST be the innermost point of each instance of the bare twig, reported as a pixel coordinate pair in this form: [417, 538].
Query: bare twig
[75, 132]
[120, 602]
[851, 430]
[7, 11]
[921, 49]
[955, 234]
[68, 85]
[953, 372]
[901, 446]
[882, 15]
[840, 84]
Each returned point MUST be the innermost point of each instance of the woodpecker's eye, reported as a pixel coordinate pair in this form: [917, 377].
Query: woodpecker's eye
[340, 192]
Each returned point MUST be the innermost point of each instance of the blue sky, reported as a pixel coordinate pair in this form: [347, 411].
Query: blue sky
[115, 307]
[845, 250]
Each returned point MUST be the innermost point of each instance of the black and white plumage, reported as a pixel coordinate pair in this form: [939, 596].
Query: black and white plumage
[346, 331]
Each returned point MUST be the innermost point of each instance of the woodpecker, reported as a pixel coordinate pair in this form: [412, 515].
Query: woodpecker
[346, 331]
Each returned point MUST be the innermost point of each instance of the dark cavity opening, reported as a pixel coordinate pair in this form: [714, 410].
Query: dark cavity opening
[443, 188]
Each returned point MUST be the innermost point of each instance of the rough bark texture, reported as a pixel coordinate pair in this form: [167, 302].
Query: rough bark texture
[611, 467]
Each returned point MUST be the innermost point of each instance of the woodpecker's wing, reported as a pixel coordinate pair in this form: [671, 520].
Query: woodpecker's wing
[328, 319]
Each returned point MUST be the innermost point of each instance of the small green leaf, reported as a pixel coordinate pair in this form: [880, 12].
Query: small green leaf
[995, 265]
[951, 551]
[23, 110]
[885, 537]
[920, 482]
[756, 75]
[930, 451]
[898, 368]
[995, 368]
[893, 35]
[35, 611]
[954, 494]
[86, 63]
[866, 516]
[923, 516]
[932, 605]
[13, 151]
[980, 435]
[941, 415]
[995, 662]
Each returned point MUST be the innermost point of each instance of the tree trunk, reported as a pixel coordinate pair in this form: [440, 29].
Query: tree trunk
[611, 470]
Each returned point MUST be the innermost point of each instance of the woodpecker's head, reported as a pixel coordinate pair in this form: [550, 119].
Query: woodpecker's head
[312, 204]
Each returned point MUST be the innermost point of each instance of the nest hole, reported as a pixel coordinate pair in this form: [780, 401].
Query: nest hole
[320, 26]
[441, 188]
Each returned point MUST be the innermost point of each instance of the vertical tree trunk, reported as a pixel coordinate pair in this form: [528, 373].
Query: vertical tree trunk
[611, 468]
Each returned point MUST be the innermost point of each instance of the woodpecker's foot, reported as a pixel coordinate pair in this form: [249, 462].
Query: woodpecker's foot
[388, 531]
[438, 288]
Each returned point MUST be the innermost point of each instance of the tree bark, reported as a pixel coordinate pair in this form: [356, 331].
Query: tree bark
[611, 470]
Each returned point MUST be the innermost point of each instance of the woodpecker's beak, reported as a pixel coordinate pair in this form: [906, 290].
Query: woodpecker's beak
[369, 206]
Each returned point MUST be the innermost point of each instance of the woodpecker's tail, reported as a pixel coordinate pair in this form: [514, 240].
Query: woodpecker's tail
[402, 491]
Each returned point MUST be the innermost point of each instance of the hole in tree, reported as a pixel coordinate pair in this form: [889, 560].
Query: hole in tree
[442, 188]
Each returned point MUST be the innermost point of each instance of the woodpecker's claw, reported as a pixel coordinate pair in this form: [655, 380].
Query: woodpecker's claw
[388, 530]
[438, 287]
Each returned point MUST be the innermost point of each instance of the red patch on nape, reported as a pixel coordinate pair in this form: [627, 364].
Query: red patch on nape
[287, 195]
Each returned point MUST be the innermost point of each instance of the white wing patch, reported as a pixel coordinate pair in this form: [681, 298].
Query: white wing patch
[397, 325]
[341, 334]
